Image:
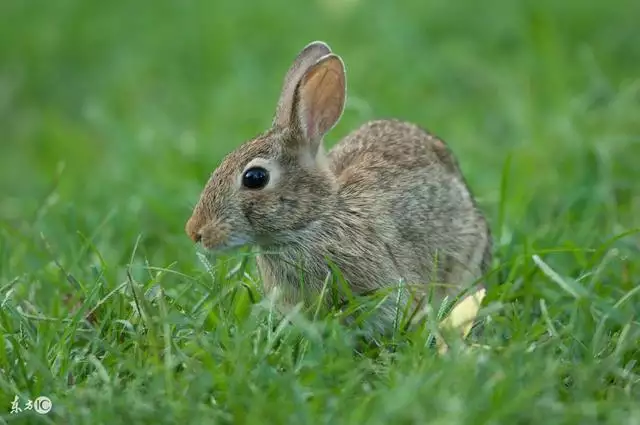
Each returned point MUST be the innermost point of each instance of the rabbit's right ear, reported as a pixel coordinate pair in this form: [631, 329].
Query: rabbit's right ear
[309, 55]
[319, 102]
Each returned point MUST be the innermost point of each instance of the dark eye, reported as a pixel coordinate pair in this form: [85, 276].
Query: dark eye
[255, 178]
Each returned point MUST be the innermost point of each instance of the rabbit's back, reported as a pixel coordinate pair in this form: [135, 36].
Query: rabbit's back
[391, 142]
[407, 187]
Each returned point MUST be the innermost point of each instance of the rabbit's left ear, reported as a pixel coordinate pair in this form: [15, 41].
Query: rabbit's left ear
[319, 100]
[308, 56]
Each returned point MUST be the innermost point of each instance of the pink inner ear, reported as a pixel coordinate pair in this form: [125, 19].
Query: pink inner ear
[310, 127]
[315, 105]
[321, 97]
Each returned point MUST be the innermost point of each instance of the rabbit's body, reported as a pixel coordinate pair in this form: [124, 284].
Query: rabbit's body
[387, 204]
[428, 228]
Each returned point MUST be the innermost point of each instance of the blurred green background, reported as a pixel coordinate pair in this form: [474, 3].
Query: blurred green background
[113, 115]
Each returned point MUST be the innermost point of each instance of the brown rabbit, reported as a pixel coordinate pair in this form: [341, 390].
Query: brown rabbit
[387, 204]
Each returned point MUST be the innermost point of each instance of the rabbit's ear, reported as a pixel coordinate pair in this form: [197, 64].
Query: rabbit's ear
[320, 99]
[309, 55]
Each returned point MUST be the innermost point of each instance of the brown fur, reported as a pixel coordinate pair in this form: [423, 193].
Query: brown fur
[387, 203]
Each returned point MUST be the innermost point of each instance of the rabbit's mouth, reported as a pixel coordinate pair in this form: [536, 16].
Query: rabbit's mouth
[232, 242]
[217, 236]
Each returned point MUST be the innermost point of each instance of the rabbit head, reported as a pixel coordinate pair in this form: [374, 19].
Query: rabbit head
[279, 183]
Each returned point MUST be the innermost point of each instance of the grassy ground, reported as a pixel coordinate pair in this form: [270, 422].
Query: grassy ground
[112, 115]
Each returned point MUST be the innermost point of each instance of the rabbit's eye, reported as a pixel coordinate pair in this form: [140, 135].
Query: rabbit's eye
[255, 178]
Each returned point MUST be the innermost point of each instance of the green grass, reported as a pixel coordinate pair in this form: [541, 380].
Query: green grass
[112, 116]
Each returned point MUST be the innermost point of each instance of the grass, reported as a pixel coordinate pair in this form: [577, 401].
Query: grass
[113, 114]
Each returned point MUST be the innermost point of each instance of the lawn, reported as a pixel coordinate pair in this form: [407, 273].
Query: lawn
[113, 115]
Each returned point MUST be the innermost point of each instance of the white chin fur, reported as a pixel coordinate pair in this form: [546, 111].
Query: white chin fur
[235, 241]
[238, 241]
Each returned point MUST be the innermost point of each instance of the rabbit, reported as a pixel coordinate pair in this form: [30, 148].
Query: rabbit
[387, 204]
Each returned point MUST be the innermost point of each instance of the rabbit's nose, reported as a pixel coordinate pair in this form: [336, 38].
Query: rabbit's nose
[193, 230]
